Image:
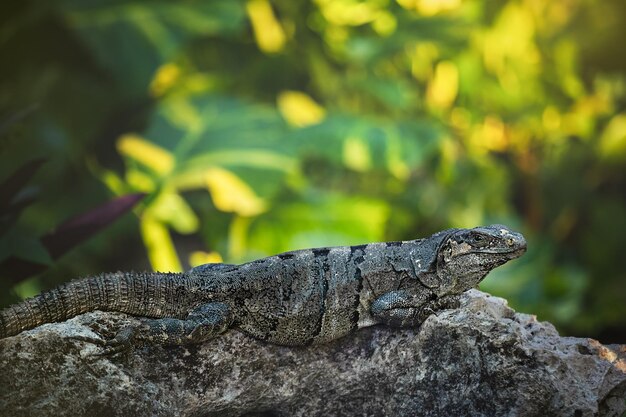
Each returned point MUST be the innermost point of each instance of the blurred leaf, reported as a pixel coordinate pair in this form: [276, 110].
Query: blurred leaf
[77, 229]
[393, 93]
[320, 220]
[132, 39]
[10, 215]
[431, 8]
[150, 155]
[17, 243]
[238, 151]
[612, 144]
[231, 194]
[159, 245]
[251, 158]
[16, 182]
[23, 255]
[268, 32]
[356, 154]
[299, 109]
[238, 239]
[354, 141]
[11, 120]
[170, 208]
[443, 88]
[201, 258]
[165, 78]
[27, 288]
[138, 180]
[112, 181]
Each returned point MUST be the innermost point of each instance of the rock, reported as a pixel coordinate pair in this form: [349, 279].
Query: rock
[483, 359]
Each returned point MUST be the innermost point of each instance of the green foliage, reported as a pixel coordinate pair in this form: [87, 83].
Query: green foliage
[257, 127]
[22, 254]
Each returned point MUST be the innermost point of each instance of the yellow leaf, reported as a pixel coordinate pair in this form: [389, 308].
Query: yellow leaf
[237, 237]
[432, 7]
[200, 82]
[443, 88]
[348, 13]
[407, 4]
[189, 180]
[171, 208]
[356, 154]
[385, 23]
[159, 245]
[113, 182]
[147, 153]
[612, 144]
[299, 109]
[511, 39]
[164, 78]
[140, 181]
[269, 34]
[231, 194]
[200, 258]
[493, 134]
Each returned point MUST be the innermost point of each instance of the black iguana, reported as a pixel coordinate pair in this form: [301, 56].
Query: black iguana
[295, 298]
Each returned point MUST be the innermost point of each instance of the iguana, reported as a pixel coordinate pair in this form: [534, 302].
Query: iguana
[295, 298]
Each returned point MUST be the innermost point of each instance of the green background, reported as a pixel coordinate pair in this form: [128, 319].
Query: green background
[264, 126]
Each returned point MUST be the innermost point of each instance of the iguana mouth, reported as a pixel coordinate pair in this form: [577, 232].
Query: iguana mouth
[503, 251]
[511, 252]
[515, 246]
[519, 251]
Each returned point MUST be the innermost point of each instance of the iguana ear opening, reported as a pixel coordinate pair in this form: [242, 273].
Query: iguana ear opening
[445, 253]
[442, 254]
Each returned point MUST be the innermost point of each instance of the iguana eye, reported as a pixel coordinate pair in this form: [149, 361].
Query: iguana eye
[477, 239]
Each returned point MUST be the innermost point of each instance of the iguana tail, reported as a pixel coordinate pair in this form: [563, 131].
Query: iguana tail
[146, 294]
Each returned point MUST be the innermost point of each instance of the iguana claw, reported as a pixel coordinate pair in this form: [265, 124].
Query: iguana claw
[122, 342]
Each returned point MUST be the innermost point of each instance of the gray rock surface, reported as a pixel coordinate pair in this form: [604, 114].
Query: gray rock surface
[480, 360]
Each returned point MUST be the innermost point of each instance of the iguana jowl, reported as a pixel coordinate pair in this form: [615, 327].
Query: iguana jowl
[295, 298]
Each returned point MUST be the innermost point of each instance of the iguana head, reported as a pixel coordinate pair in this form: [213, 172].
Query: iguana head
[466, 256]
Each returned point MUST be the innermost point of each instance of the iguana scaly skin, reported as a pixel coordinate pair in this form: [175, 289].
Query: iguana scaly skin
[295, 298]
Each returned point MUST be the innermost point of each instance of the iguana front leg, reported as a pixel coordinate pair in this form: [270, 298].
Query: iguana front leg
[204, 322]
[404, 309]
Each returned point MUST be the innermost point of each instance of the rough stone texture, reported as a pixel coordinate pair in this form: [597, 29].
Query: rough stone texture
[482, 359]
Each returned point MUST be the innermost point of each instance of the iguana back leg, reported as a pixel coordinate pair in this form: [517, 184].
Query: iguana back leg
[204, 322]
